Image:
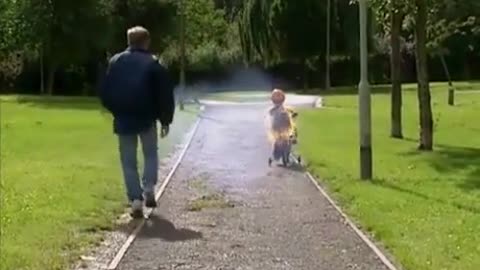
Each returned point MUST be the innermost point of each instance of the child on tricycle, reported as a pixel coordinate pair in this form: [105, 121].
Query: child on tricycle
[283, 132]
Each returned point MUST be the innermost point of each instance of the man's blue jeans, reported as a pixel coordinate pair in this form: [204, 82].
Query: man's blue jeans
[128, 156]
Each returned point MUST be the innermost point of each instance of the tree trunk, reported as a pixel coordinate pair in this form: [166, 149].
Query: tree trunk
[51, 79]
[85, 91]
[182, 56]
[305, 76]
[451, 89]
[424, 98]
[395, 69]
[327, 53]
[466, 69]
[42, 74]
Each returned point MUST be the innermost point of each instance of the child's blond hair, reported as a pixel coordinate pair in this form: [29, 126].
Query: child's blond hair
[280, 124]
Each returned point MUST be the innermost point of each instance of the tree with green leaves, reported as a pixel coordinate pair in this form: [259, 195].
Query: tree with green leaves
[62, 34]
[397, 12]
[449, 20]
[327, 47]
[158, 16]
[59, 32]
[209, 38]
[432, 30]
[271, 32]
[390, 16]
[424, 96]
[442, 21]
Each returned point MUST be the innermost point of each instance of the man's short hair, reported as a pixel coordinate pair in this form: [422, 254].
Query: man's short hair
[137, 37]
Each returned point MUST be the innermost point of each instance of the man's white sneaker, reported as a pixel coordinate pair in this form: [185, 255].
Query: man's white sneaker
[137, 209]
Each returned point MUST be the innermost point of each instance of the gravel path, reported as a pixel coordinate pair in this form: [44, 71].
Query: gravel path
[226, 209]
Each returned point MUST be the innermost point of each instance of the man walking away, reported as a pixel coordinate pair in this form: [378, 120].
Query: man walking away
[138, 91]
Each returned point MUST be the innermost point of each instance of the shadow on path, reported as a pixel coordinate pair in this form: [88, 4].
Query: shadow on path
[159, 227]
[294, 166]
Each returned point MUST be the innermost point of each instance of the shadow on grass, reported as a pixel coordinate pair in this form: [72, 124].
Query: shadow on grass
[449, 158]
[158, 227]
[469, 208]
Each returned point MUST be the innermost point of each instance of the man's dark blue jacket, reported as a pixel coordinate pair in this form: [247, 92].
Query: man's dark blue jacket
[137, 91]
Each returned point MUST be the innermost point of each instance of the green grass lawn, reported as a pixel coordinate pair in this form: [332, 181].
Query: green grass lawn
[60, 178]
[424, 207]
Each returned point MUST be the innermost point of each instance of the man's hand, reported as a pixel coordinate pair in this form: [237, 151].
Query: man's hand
[164, 131]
